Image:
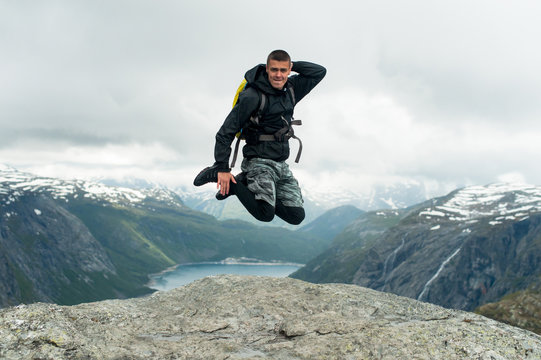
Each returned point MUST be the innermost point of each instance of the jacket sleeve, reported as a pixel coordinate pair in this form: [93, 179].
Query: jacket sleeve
[247, 103]
[308, 76]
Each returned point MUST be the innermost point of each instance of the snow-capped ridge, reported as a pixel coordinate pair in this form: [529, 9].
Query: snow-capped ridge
[14, 183]
[498, 201]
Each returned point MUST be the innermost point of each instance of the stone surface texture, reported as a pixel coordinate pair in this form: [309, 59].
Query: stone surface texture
[243, 317]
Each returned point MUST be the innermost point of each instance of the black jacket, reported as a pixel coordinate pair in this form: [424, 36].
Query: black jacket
[279, 103]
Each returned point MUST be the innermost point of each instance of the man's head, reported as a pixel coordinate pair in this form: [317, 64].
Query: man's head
[278, 68]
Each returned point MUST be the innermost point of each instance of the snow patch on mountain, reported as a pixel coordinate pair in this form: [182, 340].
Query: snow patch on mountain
[14, 184]
[500, 202]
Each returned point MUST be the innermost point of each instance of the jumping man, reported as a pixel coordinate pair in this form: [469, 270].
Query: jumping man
[264, 111]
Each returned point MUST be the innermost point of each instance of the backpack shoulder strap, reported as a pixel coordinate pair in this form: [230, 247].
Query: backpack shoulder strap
[254, 119]
[292, 93]
[262, 103]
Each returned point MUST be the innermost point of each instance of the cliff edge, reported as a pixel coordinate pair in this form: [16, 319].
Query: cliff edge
[239, 317]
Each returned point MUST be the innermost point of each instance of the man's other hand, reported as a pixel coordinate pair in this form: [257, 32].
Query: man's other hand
[224, 179]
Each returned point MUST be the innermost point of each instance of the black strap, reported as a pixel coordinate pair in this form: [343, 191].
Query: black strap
[235, 152]
[266, 137]
[300, 149]
[292, 92]
[262, 102]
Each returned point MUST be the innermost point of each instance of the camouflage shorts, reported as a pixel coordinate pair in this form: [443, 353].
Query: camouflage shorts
[270, 180]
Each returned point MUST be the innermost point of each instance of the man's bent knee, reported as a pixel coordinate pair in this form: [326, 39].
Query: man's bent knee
[296, 216]
[292, 215]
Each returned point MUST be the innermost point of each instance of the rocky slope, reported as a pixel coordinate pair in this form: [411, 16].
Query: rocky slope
[463, 250]
[76, 241]
[233, 317]
[522, 309]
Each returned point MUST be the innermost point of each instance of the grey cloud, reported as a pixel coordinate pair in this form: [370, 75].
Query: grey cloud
[101, 72]
[52, 135]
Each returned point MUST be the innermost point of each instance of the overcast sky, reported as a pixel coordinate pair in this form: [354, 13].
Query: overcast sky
[445, 93]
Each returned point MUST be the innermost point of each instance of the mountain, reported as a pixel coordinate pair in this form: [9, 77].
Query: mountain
[469, 248]
[339, 262]
[234, 317]
[75, 241]
[316, 202]
[332, 222]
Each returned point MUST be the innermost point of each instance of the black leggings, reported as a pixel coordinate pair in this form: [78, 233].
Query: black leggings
[262, 210]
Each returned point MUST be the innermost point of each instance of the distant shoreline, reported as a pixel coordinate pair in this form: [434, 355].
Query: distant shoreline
[227, 261]
[232, 261]
[246, 261]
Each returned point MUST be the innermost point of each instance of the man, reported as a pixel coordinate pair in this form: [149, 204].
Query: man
[265, 186]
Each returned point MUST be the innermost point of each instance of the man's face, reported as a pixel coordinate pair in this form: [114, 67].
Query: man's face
[278, 72]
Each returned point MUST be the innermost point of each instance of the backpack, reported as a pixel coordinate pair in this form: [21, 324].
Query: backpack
[283, 134]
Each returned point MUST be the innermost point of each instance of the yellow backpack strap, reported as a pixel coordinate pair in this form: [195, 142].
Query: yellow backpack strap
[239, 90]
[241, 87]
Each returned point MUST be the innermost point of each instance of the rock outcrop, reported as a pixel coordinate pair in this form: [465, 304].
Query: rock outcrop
[522, 309]
[234, 317]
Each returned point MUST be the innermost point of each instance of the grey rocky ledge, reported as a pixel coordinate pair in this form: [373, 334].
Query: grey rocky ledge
[234, 317]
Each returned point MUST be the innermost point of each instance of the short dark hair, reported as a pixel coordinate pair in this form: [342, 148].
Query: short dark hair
[279, 55]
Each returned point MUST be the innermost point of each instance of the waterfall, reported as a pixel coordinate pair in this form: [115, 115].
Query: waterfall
[443, 264]
[390, 259]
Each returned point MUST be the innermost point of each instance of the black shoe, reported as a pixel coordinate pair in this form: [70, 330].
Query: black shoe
[208, 174]
[240, 177]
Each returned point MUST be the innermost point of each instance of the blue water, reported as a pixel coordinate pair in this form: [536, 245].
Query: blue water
[185, 274]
